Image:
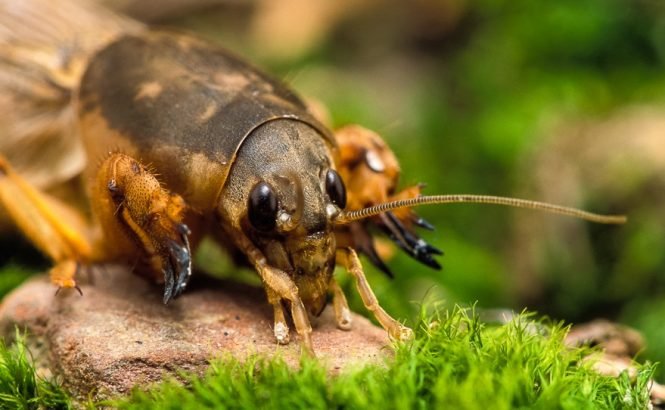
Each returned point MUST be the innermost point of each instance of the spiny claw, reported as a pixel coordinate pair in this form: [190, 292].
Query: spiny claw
[413, 245]
[364, 243]
[63, 274]
[422, 222]
[374, 257]
[69, 287]
[179, 263]
[183, 261]
[169, 281]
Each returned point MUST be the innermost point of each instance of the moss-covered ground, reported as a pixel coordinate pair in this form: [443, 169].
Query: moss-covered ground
[455, 361]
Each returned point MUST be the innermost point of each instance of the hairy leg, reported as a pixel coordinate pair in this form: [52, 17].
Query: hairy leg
[134, 209]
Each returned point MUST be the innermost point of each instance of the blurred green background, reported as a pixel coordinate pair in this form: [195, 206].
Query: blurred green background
[559, 101]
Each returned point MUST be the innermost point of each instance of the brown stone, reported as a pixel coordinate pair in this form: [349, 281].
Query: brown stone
[615, 339]
[618, 344]
[119, 334]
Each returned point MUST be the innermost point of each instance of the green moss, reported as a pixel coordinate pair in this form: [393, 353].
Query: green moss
[455, 362]
[20, 387]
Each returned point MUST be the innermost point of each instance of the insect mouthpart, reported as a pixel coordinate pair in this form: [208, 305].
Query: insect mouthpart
[311, 254]
[309, 260]
[286, 222]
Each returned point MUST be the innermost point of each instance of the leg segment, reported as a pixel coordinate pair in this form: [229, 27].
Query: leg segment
[281, 328]
[280, 286]
[349, 259]
[132, 207]
[342, 311]
[57, 230]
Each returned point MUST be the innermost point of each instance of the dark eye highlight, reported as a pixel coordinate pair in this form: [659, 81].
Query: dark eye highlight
[262, 207]
[335, 188]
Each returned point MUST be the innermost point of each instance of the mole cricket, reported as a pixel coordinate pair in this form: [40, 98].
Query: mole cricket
[183, 140]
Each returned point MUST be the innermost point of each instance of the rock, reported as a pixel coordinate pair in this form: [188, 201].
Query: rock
[615, 339]
[618, 344]
[119, 334]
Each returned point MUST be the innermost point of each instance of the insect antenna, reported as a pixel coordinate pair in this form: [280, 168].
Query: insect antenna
[346, 217]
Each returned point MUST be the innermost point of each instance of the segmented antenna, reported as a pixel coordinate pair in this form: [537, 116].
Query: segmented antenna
[345, 217]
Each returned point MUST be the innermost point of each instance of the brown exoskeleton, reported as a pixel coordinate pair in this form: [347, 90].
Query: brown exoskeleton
[184, 140]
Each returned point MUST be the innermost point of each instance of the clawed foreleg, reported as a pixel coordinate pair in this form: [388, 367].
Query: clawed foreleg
[132, 208]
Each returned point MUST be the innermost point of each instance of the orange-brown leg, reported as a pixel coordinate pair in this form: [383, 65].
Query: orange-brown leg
[341, 306]
[56, 229]
[348, 258]
[280, 328]
[133, 208]
[279, 286]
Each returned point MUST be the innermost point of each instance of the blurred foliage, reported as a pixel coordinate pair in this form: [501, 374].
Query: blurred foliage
[463, 106]
[18, 261]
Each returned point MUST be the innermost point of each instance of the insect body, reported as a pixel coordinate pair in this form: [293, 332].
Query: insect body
[184, 140]
[213, 128]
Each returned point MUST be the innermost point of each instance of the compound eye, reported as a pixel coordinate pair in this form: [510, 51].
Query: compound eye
[335, 188]
[262, 209]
